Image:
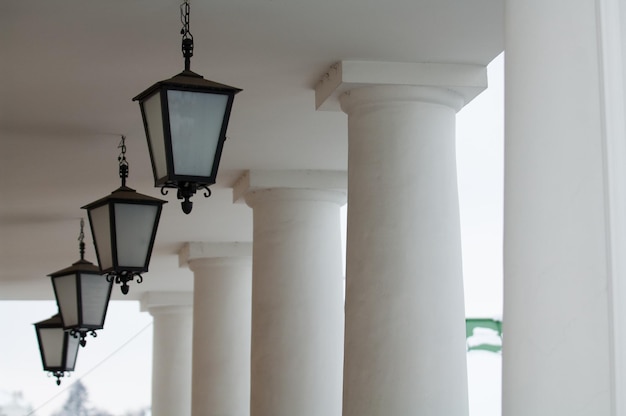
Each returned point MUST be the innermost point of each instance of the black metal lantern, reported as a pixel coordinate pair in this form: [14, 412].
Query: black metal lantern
[58, 348]
[124, 226]
[185, 119]
[82, 294]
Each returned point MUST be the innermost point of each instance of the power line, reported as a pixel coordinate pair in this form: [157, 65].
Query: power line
[118, 349]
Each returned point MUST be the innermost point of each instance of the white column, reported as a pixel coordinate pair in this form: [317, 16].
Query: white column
[297, 292]
[171, 351]
[221, 327]
[405, 320]
[564, 219]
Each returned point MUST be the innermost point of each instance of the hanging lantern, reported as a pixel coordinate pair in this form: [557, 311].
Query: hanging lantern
[185, 119]
[82, 294]
[58, 348]
[124, 226]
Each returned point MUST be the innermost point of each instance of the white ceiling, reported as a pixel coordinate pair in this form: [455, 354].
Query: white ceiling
[71, 67]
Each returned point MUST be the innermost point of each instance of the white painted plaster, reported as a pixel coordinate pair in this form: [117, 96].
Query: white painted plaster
[291, 179]
[612, 41]
[297, 302]
[221, 327]
[465, 80]
[558, 220]
[171, 352]
[405, 328]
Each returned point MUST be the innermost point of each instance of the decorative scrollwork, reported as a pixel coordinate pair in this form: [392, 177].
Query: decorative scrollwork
[185, 191]
[58, 375]
[123, 278]
[81, 334]
[76, 333]
[207, 191]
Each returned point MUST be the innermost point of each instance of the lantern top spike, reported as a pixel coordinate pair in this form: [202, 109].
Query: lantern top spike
[81, 265]
[81, 239]
[62, 365]
[122, 161]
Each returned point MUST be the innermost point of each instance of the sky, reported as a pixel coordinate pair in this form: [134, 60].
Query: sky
[480, 171]
[116, 367]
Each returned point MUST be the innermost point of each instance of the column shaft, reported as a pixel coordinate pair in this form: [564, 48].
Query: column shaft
[405, 333]
[560, 262]
[221, 336]
[297, 303]
[171, 359]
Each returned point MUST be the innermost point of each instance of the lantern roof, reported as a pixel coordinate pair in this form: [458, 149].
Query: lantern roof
[124, 194]
[191, 81]
[81, 265]
[54, 321]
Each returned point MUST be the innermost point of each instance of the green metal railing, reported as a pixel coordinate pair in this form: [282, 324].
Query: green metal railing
[488, 324]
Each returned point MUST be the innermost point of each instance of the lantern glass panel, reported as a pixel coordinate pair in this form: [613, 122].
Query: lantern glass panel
[72, 352]
[95, 292]
[195, 127]
[101, 227]
[65, 290]
[134, 225]
[52, 344]
[154, 122]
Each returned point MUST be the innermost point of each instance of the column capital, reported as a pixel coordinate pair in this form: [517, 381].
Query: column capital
[151, 300]
[464, 80]
[196, 250]
[327, 181]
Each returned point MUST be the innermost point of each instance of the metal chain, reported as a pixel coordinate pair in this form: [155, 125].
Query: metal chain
[187, 44]
[184, 19]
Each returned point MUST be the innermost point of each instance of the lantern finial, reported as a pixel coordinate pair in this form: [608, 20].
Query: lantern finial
[122, 160]
[81, 239]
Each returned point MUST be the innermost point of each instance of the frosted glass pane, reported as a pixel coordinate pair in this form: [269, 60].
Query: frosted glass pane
[195, 124]
[52, 341]
[134, 224]
[154, 118]
[72, 352]
[100, 223]
[95, 291]
[66, 296]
